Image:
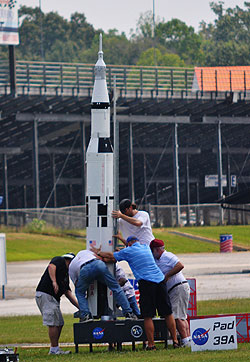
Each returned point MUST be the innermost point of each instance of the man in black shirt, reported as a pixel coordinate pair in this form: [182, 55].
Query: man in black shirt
[53, 284]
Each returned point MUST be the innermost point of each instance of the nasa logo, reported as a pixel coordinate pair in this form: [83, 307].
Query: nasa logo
[136, 331]
[200, 336]
[98, 333]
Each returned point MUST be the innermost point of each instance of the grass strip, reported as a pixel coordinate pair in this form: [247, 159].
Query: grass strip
[29, 329]
[101, 354]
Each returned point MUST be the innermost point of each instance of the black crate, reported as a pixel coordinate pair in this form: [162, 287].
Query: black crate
[118, 331]
[9, 357]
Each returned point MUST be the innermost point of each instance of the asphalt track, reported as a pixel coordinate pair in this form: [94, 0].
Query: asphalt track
[218, 276]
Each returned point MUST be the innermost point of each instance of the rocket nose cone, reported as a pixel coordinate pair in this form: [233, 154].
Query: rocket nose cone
[100, 63]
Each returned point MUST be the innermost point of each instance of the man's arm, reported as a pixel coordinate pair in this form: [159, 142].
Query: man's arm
[72, 298]
[122, 281]
[131, 220]
[108, 256]
[176, 269]
[52, 275]
[119, 236]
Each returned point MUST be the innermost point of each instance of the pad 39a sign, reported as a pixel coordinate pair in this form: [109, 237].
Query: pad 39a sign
[213, 334]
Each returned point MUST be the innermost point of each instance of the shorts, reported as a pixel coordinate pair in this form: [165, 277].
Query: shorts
[179, 297]
[154, 297]
[50, 310]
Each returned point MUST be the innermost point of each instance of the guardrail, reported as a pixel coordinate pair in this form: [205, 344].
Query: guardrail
[81, 76]
[45, 76]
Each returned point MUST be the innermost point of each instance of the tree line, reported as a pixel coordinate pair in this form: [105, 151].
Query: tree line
[50, 37]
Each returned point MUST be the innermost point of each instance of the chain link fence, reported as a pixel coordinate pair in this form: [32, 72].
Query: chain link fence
[74, 217]
[198, 214]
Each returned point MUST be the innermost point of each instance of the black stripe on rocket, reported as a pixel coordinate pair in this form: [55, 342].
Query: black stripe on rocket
[105, 146]
[102, 211]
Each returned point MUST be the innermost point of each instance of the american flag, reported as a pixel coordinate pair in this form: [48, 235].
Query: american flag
[134, 283]
[226, 243]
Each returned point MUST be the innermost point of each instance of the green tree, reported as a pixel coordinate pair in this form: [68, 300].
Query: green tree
[55, 28]
[117, 49]
[4, 52]
[145, 35]
[145, 26]
[175, 36]
[162, 58]
[227, 41]
[66, 50]
[60, 39]
[29, 33]
[81, 31]
[179, 38]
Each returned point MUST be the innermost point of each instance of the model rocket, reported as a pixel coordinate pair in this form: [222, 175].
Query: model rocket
[99, 193]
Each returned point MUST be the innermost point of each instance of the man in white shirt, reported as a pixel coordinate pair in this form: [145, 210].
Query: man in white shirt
[177, 286]
[127, 288]
[83, 270]
[133, 222]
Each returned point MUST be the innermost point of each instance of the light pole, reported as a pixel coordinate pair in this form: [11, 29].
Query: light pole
[41, 31]
[155, 63]
[153, 18]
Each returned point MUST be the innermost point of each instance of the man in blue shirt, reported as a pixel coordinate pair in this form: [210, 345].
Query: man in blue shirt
[153, 295]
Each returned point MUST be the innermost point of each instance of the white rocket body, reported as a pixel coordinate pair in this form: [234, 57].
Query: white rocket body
[100, 193]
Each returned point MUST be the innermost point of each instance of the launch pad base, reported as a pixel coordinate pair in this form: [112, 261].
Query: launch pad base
[117, 332]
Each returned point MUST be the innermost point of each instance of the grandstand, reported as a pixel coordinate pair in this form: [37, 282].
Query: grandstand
[169, 120]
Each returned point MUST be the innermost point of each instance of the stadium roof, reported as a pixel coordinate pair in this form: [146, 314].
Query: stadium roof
[222, 79]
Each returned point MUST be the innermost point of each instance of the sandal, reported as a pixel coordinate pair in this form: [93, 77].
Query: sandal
[153, 348]
[176, 345]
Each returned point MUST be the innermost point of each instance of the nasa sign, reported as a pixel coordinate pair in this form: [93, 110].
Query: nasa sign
[213, 333]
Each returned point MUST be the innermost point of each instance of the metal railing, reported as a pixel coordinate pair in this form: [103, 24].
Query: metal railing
[44, 76]
[74, 217]
[65, 76]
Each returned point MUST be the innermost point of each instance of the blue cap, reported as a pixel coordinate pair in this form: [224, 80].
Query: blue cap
[131, 238]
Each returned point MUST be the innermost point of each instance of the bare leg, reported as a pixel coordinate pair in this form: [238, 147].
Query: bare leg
[149, 329]
[170, 322]
[182, 328]
[54, 335]
[187, 328]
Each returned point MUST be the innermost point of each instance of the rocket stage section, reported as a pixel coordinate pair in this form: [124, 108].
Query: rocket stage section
[100, 178]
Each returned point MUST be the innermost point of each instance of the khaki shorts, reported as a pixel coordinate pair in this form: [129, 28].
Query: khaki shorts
[50, 310]
[179, 297]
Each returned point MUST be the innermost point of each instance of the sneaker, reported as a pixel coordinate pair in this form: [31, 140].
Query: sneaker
[60, 351]
[86, 318]
[131, 316]
[186, 344]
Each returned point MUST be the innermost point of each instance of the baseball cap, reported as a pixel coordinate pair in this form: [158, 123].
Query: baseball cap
[156, 243]
[68, 256]
[124, 204]
[131, 238]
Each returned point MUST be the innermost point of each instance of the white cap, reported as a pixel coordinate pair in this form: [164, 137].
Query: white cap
[69, 256]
